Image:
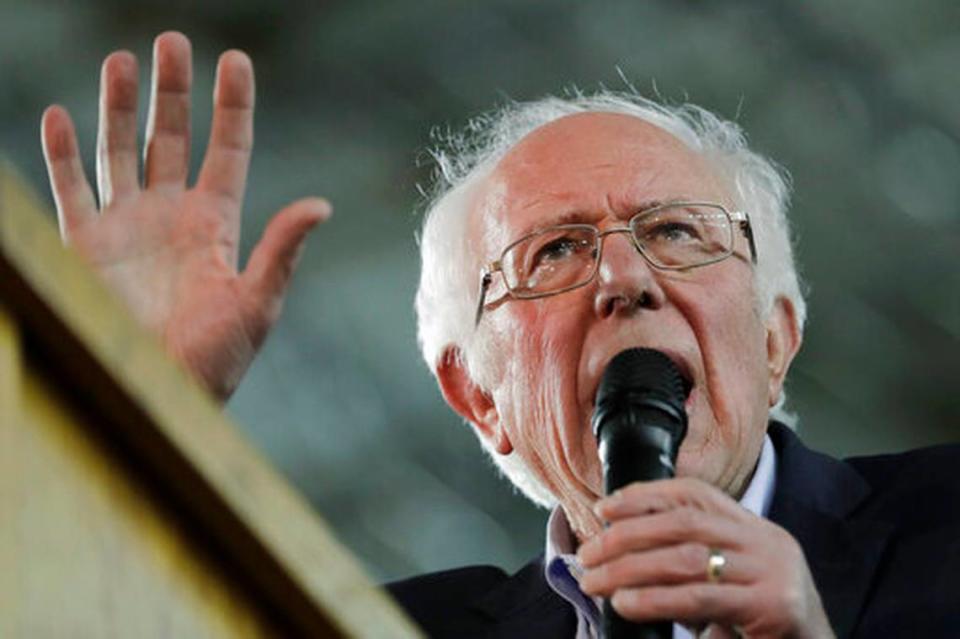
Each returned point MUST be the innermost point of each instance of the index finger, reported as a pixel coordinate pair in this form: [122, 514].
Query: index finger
[643, 498]
[686, 531]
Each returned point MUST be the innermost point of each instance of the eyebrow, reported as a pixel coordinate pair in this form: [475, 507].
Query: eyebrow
[582, 216]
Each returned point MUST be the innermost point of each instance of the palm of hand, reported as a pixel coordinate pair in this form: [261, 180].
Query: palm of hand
[168, 252]
[171, 261]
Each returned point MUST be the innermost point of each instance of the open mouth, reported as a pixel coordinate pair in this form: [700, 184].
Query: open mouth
[686, 375]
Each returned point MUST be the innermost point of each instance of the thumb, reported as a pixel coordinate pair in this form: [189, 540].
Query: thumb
[275, 256]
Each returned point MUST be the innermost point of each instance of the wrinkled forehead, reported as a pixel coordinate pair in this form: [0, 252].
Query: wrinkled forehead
[598, 163]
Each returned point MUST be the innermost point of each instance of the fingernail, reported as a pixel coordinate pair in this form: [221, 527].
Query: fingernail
[607, 502]
[590, 552]
[322, 206]
[583, 555]
[586, 582]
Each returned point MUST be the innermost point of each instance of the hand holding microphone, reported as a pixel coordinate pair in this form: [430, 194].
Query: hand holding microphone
[681, 550]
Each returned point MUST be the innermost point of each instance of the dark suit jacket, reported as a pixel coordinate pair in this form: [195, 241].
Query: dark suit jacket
[881, 536]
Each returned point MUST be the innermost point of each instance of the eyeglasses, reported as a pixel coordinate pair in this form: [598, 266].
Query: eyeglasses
[675, 236]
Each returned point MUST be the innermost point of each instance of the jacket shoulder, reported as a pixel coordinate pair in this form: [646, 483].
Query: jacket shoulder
[937, 462]
[925, 480]
[484, 601]
[919, 489]
[442, 602]
[454, 584]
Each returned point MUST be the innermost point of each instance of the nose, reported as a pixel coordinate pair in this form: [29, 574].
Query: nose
[626, 282]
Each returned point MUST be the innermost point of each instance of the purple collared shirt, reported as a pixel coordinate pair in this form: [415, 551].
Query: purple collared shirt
[562, 569]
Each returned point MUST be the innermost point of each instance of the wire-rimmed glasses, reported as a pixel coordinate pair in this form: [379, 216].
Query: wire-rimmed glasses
[673, 236]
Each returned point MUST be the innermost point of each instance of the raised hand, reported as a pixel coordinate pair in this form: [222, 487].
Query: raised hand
[170, 251]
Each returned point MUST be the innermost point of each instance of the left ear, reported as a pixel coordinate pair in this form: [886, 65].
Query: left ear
[783, 342]
[471, 402]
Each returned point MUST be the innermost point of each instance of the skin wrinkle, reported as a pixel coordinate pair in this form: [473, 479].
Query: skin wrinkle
[534, 458]
[709, 379]
[554, 398]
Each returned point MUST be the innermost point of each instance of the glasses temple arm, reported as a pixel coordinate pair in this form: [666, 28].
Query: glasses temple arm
[747, 229]
[485, 280]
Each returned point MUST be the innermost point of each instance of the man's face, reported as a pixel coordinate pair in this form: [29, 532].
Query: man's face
[601, 169]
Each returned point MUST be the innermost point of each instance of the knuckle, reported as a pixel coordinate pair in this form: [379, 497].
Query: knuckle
[622, 536]
[637, 492]
[612, 540]
[782, 537]
[688, 519]
[691, 490]
[697, 598]
[619, 572]
[788, 601]
[789, 547]
[692, 559]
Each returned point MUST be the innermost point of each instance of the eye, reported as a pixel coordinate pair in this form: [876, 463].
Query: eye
[558, 249]
[671, 232]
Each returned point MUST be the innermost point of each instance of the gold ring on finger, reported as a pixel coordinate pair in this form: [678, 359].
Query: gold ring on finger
[716, 562]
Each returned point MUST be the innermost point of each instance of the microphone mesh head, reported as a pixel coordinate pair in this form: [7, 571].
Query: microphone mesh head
[639, 418]
[644, 370]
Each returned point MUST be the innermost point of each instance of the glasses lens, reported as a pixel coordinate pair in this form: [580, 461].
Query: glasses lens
[551, 260]
[684, 235]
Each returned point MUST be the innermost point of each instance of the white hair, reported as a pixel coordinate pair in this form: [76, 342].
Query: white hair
[449, 277]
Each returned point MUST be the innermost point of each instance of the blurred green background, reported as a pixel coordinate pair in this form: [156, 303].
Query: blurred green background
[860, 100]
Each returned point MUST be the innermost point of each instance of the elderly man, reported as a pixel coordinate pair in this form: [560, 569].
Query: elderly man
[569, 231]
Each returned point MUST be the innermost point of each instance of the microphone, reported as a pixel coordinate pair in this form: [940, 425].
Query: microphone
[639, 421]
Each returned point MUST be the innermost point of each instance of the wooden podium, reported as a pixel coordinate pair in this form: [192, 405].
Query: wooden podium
[129, 505]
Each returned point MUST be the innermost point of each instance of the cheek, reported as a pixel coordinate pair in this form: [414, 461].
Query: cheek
[547, 341]
[731, 340]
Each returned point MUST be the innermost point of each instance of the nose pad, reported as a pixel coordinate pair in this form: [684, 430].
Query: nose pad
[626, 282]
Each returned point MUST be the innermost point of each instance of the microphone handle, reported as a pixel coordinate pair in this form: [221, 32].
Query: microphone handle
[633, 452]
[616, 627]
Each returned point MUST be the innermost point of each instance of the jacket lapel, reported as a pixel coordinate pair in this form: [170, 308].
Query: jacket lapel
[524, 606]
[816, 500]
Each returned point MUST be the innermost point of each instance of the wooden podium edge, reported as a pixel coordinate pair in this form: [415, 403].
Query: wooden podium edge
[268, 531]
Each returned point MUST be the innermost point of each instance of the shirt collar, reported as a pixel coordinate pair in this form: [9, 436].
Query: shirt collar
[759, 493]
